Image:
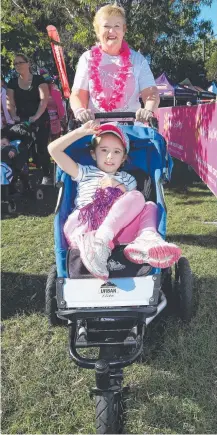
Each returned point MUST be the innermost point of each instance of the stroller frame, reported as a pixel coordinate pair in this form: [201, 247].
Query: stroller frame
[116, 328]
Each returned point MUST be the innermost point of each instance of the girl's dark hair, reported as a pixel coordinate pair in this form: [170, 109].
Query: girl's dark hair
[93, 144]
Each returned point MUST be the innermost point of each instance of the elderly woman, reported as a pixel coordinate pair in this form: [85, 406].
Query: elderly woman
[27, 101]
[111, 76]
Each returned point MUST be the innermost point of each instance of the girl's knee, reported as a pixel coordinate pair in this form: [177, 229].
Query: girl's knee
[151, 204]
[135, 194]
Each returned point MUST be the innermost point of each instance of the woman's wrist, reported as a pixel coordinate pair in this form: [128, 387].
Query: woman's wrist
[79, 110]
[149, 110]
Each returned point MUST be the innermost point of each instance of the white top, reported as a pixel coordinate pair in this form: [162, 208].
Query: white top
[89, 178]
[140, 78]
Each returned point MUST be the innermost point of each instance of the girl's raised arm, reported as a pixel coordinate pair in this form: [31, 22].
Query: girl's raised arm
[57, 147]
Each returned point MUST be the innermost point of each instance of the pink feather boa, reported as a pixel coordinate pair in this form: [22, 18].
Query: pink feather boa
[120, 81]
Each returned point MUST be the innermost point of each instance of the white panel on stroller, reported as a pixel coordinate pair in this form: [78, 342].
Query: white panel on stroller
[118, 292]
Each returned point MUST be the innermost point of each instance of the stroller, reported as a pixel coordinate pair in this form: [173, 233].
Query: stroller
[16, 172]
[112, 316]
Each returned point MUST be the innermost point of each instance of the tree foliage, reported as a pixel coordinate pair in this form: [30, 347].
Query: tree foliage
[211, 63]
[167, 31]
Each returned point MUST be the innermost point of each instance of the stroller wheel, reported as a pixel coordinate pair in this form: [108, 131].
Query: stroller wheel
[12, 207]
[108, 412]
[50, 297]
[183, 289]
[39, 194]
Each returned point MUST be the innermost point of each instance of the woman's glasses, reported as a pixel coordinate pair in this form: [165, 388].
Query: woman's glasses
[19, 63]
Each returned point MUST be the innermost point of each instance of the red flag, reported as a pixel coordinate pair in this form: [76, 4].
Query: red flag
[59, 59]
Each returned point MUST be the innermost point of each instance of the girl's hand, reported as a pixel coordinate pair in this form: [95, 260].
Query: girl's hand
[106, 182]
[90, 128]
[111, 182]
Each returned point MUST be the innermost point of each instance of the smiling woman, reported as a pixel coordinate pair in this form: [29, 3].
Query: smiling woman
[111, 76]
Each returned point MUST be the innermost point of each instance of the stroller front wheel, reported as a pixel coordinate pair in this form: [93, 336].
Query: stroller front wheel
[108, 412]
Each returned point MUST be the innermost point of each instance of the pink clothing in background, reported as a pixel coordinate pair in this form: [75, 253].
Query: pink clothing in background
[5, 115]
[55, 109]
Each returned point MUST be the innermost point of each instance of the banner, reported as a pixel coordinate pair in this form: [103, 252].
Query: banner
[59, 59]
[191, 135]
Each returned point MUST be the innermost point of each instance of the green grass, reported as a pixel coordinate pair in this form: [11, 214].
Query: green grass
[172, 391]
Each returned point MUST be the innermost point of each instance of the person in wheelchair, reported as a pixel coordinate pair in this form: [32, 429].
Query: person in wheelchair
[109, 210]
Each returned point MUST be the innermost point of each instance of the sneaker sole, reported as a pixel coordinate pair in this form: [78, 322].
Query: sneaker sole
[161, 257]
[87, 264]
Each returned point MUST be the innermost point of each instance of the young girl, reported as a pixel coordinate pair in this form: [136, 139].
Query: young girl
[109, 210]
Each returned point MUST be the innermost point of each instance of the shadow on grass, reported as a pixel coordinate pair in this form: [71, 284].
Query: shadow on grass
[179, 394]
[207, 241]
[22, 293]
[184, 189]
[191, 202]
[28, 204]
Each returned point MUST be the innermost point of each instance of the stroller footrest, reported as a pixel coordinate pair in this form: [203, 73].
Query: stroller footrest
[84, 344]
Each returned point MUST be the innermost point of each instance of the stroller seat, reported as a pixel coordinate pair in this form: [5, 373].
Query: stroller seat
[118, 265]
[148, 162]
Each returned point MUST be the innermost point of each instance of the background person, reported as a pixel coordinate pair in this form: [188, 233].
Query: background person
[27, 101]
[111, 76]
[55, 106]
[5, 115]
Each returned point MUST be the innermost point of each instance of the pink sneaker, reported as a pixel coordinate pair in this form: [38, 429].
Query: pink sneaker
[152, 249]
[94, 254]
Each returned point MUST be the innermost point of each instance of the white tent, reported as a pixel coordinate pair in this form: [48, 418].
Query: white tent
[213, 88]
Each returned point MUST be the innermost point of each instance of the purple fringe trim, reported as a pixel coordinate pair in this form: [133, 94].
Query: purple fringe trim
[95, 212]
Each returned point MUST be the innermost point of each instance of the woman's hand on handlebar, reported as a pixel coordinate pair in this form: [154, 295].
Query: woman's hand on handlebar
[84, 115]
[144, 115]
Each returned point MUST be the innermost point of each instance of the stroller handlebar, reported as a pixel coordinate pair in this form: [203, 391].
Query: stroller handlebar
[153, 122]
[111, 115]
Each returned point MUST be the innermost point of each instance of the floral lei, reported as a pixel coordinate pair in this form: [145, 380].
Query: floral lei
[120, 77]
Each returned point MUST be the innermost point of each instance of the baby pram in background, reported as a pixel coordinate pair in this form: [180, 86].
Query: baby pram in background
[15, 172]
[113, 316]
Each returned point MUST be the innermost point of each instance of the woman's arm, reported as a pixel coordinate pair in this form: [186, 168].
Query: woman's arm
[4, 107]
[11, 106]
[57, 147]
[150, 98]
[79, 98]
[44, 95]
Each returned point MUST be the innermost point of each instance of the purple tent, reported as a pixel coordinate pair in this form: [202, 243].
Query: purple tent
[166, 90]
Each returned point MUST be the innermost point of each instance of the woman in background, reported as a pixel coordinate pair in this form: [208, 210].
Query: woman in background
[27, 101]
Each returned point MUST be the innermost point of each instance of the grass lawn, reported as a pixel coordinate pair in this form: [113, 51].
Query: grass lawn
[173, 389]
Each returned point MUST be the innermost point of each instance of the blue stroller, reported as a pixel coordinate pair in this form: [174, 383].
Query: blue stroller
[112, 316]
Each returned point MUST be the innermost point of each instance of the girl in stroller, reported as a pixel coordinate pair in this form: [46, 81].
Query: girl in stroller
[109, 209]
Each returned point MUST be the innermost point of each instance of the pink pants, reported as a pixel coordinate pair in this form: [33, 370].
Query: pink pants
[127, 218]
